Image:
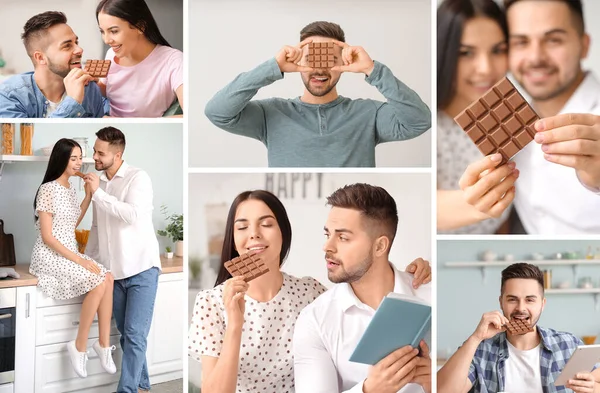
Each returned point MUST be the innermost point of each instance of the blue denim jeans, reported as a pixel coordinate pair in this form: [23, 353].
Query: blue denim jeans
[133, 306]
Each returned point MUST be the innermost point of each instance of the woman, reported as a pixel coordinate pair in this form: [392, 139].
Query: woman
[146, 74]
[62, 272]
[242, 332]
[472, 57]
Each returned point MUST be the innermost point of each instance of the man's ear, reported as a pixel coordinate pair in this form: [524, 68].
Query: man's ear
[382, 246]
[39, 58]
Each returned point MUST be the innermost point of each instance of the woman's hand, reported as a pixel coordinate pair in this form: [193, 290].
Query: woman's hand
[421, 269]
[89, 265]
[233, 299]
[488, 188]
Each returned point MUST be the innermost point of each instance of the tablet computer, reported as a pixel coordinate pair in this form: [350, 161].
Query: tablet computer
[583, 359]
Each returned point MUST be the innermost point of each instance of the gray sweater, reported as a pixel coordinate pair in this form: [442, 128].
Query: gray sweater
[341, 133]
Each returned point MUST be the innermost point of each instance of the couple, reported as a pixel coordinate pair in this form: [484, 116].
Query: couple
[120, 272]
[542, 44]
[276, 333]
[145, 77]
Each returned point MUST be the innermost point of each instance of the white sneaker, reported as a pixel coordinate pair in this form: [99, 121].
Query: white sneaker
[78, 359]
[105, 355]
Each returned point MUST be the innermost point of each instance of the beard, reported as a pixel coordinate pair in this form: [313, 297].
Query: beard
[349, 276]
[320, 92]
[104, 166]
[59, 70]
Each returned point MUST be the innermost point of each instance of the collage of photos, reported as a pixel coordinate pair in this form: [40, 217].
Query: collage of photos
[395, 196]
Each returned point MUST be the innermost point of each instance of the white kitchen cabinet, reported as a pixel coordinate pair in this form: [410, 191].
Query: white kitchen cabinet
[166, 337]
[44, 326]
[7, 388]
[25, 340]
[60, 324]
[54, 373]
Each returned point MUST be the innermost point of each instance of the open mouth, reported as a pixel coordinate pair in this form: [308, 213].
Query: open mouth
[116, 48]
[523, 318]
[332, 263]
[257, 249]
[76, 63]
[319, 80]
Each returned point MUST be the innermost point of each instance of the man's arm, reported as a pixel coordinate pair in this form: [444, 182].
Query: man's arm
[231, 109]
[11, 107]
[137, 202]
[404, 115]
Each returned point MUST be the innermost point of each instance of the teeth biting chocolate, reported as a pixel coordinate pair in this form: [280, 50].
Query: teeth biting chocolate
[320, 54]
[518, 327]
[500, 121]
[247, 265]
[97, 68]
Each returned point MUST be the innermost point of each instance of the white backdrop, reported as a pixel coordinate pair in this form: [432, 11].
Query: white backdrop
[229, 37]
[412, 193]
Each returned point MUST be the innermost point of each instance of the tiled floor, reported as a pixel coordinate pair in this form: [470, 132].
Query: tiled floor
[175, 386]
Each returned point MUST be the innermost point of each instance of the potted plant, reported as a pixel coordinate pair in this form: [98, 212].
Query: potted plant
[169, 252]
[174, 229]
[195, 266]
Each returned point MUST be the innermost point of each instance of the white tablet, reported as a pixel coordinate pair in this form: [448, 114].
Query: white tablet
[583, 359]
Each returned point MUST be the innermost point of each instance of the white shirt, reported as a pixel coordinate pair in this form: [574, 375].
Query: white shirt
[522, 370]
[122, 237]
[327, 332]
[550, 199]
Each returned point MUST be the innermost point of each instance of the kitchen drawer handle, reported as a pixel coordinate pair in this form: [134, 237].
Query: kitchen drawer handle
[27, 305]
[76, 323]
[5, 316]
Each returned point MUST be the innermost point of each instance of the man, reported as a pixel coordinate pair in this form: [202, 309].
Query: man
[320, 129]
[57, 87]
[359, 233]
[123, 239]
[494, 360]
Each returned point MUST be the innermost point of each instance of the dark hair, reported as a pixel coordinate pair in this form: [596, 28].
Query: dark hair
[522, 270]
[451, 18]
[575, 6]
[37, 27]
[373, 202]
[323, 29]
[229, 252]
[113, 136]
[137, 13]
[57, 164]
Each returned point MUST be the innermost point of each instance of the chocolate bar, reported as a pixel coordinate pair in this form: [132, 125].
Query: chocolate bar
[97, 68]
[320, 55]
[501, 121]
[518, 327]
[247, 265]
[80, 174]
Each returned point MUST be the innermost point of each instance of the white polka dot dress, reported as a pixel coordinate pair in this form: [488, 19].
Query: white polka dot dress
[266, 358]
[455, 151]
[58, 277]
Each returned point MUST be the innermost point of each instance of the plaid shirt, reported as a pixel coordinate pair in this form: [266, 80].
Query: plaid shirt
[487, 368]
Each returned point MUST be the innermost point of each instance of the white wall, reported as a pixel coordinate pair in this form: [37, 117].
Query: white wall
[156, 148]
[412, 193]
[234, 36]
[81, 16]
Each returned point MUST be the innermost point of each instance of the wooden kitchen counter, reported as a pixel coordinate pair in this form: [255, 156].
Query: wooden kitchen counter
[173, 265]
[25, 280]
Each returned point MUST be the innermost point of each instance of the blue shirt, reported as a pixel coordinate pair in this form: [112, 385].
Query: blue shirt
[487, 368]
[20, 96]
